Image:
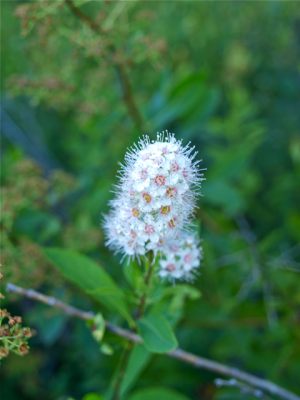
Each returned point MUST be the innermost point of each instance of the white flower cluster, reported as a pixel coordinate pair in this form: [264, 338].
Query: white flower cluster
[155, 197]
[181, 257]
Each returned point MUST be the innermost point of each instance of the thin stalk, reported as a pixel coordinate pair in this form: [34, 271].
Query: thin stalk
[149, 267]
[147, 280]
[116, 395]
[120, 68]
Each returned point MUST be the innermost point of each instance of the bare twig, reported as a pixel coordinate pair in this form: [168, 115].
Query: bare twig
[128, 98]
[245, 389]
[127, 92]
[189, 358]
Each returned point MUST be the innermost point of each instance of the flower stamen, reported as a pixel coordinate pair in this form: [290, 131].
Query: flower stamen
[160, 180]
[135, 212]
[164, 210]
[147, 197]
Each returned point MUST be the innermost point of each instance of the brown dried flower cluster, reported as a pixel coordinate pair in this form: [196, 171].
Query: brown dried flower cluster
[13, 336]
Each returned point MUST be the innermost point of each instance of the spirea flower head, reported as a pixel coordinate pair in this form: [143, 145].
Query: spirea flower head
[156, 195]
[180, 257]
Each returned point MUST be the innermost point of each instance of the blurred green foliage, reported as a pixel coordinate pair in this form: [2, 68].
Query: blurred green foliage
[224, 75]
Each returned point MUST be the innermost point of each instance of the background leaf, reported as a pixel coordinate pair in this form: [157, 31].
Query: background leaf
[156, 393]
[92, 396]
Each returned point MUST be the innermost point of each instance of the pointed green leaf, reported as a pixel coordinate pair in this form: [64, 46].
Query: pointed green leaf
[157, 333]
[91, 278]
[138, 360]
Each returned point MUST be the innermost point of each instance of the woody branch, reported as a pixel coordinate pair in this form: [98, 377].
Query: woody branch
[182, 355]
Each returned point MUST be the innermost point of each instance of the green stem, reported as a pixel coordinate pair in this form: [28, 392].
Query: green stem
[149, 266]
[121, 371]
[148, 276]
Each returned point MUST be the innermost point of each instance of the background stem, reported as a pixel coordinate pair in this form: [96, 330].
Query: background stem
[120, 68]
[182, 355]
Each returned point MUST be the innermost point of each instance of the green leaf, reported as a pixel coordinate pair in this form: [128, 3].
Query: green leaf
[157, 333]
[106, 349]
[133, 274]
[171, 302]
[97, 325]
[180, 293]
[38, 225]
[226, 195]
[86, 274]
[92, 396]
[155, 393]
[49, 328]
[138, 360]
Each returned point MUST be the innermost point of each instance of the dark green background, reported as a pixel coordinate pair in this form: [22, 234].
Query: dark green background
[224, 75]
